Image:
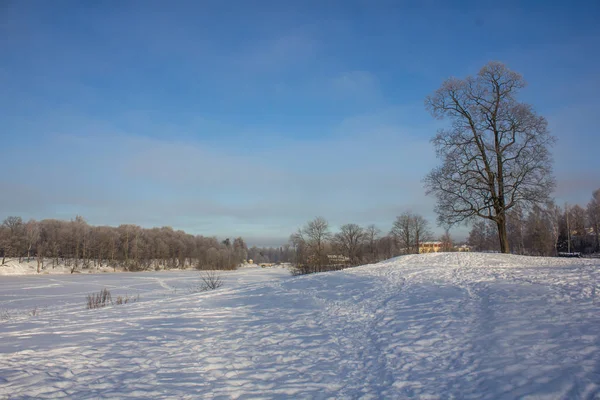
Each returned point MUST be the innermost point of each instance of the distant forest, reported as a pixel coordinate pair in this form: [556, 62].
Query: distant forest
[545, 229]
[81, 246]
[541, 230]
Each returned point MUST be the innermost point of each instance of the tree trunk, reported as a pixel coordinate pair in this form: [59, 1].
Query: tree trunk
[417, 243]
[503, 235]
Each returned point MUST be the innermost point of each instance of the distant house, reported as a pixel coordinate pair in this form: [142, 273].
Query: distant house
[430, 247]
[435, 247]
[336, 259]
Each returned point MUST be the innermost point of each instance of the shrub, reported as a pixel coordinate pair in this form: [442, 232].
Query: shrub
[5, 315]
[210, 280]
[98, 300]
[127, 299]
[305, 269]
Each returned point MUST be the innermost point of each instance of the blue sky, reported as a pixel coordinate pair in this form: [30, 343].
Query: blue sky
[245, 118]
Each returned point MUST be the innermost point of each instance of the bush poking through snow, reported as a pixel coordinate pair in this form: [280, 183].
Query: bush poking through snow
[103, 298]
[210, 280]
[127, 299]
[98, 300]
[5, 315]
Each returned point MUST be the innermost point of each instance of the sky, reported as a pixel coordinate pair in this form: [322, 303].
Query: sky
[239, 118]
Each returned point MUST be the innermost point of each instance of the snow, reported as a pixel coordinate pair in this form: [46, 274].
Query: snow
[448, 325]
[24, 267]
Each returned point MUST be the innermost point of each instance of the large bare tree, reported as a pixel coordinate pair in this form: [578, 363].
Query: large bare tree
[494, 155]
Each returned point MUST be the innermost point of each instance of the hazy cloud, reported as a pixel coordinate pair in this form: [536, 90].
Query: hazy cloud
[361, 85]
[364, 174]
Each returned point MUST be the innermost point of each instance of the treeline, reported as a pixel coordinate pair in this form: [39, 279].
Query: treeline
[316, 248]
[79, 245]
[274, 255]
[545, 230]
[542, 230]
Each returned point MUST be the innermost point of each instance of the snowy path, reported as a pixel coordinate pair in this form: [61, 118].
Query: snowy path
[431, 326]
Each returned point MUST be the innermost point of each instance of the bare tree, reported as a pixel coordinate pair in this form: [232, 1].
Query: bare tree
[539, 240]
[577, 229]
[371, 236]
[421, 231]
[496, 153]
[593, 215]
[554, 217]
[310, 242]
[411, 230]
[482, 237]
[577, 220]
[446, 239]
[15, 236]
[32, 235]
[387, 247]
[40, 249]
[51, 232]
[79, 236]
[4, 241]
[515, 227]
[240, 250]
[349, 241]
[402, 231]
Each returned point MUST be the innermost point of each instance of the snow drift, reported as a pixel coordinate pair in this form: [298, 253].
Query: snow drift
[468, 326]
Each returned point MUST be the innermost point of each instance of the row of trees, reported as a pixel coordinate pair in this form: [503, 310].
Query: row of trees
[315, 248]
[275, 255]
[545, 229]
[81, 246]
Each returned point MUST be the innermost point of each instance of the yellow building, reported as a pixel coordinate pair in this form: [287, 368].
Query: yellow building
[435, 247]
[430, 247]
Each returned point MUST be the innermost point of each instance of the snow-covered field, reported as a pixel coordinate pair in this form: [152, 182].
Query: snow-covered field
[463, 326]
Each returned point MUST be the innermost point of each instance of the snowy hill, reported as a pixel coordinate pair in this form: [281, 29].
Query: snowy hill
[468, 326]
